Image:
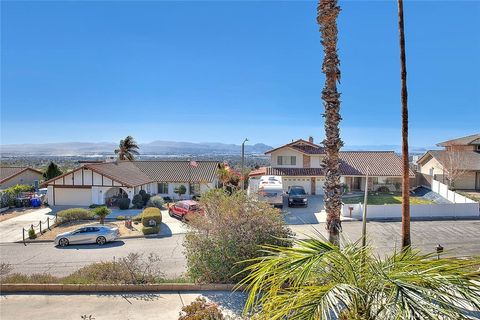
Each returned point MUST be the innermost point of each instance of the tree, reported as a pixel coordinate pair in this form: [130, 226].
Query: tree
[453, 161]
[406, 241]
[180, 190]
[102, 212]
[127, 149]
[52, 171]
[315, 279]
[327, 12]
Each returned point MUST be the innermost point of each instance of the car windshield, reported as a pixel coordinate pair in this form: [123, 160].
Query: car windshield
[297, 192]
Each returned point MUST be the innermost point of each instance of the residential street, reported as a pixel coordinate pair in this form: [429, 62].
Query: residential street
[459, 237]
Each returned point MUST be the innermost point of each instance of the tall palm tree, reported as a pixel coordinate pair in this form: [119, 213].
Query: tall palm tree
[406, 242]
[327, 12]
[127, 149]
[315, 279]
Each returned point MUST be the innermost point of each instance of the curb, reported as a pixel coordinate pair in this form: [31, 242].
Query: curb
[88, 288]
[119, 238]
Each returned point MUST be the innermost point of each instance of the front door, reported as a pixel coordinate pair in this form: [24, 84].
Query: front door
[357, 181]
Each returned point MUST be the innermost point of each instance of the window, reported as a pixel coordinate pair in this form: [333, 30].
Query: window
[195, 188]
[163, 188]
[374, 180]
[287, 160]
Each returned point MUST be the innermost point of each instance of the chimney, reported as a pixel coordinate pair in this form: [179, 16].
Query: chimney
[310, 139]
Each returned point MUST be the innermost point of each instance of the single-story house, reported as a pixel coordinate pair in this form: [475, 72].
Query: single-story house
[96, 183]
[11, 176]
[458, 164]
[299, 164]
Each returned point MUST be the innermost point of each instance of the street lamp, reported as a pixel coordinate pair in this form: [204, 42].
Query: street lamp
[242, 183]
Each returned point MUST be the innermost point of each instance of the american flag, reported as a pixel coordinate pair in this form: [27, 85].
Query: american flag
[193, 163]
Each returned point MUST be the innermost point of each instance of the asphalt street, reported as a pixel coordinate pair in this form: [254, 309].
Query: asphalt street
[459, 238]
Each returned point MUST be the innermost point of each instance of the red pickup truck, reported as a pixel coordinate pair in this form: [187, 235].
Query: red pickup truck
[183, 209]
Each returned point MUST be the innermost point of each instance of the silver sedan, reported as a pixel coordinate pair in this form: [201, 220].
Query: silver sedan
[91, 234]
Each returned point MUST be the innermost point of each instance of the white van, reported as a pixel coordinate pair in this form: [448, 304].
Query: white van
[270, 189]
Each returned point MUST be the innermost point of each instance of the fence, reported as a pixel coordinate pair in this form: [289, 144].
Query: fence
[40, 226]
[394, 211]
[452, 196]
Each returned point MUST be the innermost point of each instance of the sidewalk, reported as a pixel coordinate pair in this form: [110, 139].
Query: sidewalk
[11, 229]
[120, 306]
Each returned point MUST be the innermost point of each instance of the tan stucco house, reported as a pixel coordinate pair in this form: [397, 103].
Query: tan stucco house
[11, 176]
[96, 183]
[299, 164]
[457, 165]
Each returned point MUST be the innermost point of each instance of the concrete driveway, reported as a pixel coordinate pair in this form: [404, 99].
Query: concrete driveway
[305, 215]
[11, 229]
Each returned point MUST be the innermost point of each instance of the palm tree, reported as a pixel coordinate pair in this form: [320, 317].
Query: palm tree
[406, 242]
[327, 12]
[315, 279]
[127, 150]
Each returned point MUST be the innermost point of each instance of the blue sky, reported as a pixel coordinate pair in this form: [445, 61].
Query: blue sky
[220, 71]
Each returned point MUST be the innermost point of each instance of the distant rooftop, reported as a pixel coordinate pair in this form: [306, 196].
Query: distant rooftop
[463, 141]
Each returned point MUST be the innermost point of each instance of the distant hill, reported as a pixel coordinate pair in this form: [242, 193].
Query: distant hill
[152, 148]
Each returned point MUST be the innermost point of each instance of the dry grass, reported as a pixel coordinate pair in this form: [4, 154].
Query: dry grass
[73, 225]
[386, 198]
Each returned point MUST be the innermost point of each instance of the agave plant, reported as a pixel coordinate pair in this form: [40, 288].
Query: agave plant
[317, 280]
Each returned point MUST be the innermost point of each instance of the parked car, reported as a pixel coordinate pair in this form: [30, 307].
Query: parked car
[297, 196]
[183, 209]
[92, 234]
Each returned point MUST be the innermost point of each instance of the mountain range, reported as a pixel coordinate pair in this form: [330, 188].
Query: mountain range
[162, 148]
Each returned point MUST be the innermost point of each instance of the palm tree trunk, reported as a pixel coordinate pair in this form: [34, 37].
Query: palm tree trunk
[327, 12]
[405, 163]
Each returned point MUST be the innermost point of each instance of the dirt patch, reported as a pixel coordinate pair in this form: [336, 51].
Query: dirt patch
[15, 212]
[136, 230]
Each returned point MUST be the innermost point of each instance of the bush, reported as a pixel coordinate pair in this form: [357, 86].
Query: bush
[16, 190]
[383, 189]
[31, 234]
[137, 201]
[156, 201]
[150, 230]
[231, 231]
[145, 196]
[201, 309]
[120, 217]
[167, 199]
[123, 203]
[151, 214]
[32, 278]
[102, 212]
[75, 214]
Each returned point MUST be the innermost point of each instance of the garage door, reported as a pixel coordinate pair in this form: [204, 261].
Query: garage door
[319, 186]
[73, 196]
[304, 182]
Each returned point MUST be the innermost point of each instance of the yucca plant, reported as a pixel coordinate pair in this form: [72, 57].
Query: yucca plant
[315, 279]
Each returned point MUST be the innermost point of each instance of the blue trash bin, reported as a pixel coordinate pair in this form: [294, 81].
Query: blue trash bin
[35, 202]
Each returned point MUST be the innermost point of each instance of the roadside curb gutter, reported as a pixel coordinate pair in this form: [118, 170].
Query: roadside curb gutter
[88, 288]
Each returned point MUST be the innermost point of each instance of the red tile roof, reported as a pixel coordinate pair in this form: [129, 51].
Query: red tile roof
[300, 145]
[352, 163]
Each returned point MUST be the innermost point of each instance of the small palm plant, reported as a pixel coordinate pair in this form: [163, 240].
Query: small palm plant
[102, 212]
[317, 280]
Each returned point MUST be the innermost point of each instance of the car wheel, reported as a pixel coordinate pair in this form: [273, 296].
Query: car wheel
[63, 242]
[170, 213]
[101, 241]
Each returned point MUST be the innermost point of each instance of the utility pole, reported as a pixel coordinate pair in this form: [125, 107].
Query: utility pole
[364, 216]
[242, 182]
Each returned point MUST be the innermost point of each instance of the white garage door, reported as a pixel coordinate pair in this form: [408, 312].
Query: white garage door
[73, 196]
[319, 186]
[304, 182]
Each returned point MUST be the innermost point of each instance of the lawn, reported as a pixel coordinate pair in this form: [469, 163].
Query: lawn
[386, 198]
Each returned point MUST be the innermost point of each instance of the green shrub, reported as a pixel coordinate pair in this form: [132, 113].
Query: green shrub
[151, 214]
[18, 203]
[93, 205]
[145, 196]
[156, 201]
[167, 199]
[231, 231]
[150, 230]
[16, 190]
[120, 217]
[75, 214]
[123, 203]
[383, 189]
[137, 201]
[102, 212]
[200, 309]
[31, 234]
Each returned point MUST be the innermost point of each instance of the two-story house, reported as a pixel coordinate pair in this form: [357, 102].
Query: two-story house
[299, 164]
[457, 165]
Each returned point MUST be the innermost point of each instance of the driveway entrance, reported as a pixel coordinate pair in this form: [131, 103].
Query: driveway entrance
[304, 215]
